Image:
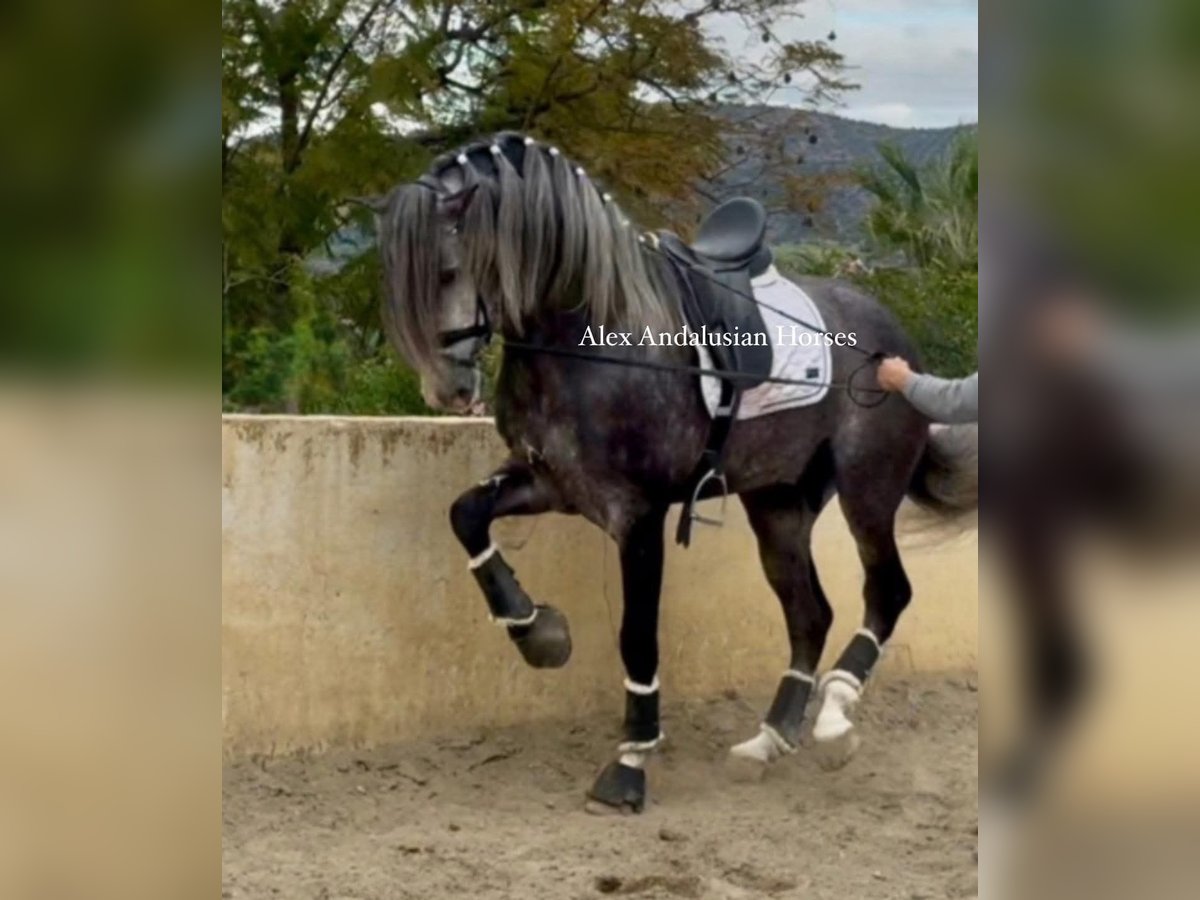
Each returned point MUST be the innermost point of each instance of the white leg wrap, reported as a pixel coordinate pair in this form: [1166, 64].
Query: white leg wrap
[870, 635]
[643, 690]
[633, 760]
[476, 561]
[640, 746]
[799, 676]
[512, 623]
[843, 676]
[840, 691]
[766, 746]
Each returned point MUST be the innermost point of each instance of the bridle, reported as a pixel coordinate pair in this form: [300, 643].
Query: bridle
[480, 331]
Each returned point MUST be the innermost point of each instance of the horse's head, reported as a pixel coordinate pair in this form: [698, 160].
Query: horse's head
[433, 313]
[495, 236]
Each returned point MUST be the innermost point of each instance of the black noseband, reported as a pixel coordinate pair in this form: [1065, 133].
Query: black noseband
[481, 331]
[458, 335]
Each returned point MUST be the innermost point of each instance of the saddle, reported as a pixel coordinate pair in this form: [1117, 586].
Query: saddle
[714, 274]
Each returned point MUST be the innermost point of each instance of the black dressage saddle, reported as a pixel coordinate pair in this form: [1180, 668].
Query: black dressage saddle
[715, 272]
[714, 275]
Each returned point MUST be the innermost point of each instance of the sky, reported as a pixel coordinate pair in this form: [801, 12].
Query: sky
[915, 60]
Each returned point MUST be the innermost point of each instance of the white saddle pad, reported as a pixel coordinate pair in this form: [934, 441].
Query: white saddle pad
[797, 352]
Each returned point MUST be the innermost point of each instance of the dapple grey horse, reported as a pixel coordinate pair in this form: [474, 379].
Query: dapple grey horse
[509, 237]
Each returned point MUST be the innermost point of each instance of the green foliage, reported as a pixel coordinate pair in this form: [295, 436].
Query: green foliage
[299, 373]
[324, 100]
[823, 259]
[938, 309]
[316, 366]
[930, 214]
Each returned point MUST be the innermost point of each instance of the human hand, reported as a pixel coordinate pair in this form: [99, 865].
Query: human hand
[893, 374]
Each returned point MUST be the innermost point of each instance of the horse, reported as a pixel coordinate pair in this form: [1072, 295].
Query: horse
[507, 236]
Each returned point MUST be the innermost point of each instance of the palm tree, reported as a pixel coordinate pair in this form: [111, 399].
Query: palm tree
[930, 213]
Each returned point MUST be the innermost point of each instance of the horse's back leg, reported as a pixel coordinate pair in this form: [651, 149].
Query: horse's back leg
[782, 517]
[871, 482]
[515, 489]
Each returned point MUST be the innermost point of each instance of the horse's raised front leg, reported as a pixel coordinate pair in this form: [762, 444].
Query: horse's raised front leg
[621, 785]
[515, 489]
[782, 518]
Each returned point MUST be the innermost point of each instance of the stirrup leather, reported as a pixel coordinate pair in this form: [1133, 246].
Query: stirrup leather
[691, 511]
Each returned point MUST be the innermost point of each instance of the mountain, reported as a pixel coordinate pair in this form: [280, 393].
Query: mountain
[770, 146]
[783, 150]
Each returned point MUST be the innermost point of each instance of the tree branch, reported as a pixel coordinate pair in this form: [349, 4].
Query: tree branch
[335, 67]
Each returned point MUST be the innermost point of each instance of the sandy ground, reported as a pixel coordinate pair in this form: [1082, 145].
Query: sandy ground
[500, 814]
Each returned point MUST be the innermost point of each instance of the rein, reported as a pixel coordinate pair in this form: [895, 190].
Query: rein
[572, 353]
[482, 330]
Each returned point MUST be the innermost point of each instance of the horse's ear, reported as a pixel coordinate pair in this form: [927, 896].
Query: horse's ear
[454, 206]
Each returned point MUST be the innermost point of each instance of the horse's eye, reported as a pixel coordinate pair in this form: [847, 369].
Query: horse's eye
[447, 276]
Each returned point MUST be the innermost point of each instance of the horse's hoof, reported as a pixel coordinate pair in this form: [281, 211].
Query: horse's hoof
[749, 760]
[835, 752]
[834, 737]
[618, 788]
[745, 769]
[596, 808]
[546, 644]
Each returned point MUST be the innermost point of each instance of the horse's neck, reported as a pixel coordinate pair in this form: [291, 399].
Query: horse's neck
[564, 318]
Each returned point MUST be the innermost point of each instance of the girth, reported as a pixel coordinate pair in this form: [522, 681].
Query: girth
[714, 275]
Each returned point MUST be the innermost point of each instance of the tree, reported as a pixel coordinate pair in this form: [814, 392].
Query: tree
[929, 213]
[328, 99]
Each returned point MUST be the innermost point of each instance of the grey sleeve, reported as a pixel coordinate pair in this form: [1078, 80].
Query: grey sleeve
[953, 401]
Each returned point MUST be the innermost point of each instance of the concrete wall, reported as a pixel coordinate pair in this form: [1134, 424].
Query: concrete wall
[349, 616]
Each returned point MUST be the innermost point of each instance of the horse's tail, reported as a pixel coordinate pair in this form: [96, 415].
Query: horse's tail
[946, 481]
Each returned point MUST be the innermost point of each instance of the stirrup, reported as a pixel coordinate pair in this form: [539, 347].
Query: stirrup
[710, 475]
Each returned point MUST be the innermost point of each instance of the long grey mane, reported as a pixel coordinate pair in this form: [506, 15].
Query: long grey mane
[538, 236]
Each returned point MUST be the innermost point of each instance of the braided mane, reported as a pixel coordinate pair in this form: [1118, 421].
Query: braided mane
[538, 235]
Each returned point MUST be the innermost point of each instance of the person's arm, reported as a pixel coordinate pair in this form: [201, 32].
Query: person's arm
[954, 401]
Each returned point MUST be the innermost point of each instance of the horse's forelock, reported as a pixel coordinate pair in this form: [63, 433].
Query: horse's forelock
[409, 247]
